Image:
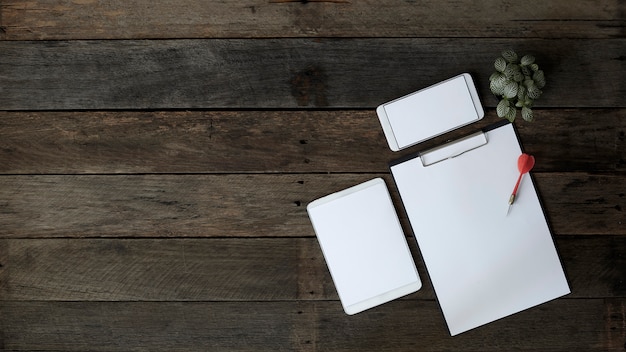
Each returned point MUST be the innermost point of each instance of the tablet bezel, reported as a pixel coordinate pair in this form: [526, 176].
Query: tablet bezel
[387, 126]
[394, 292]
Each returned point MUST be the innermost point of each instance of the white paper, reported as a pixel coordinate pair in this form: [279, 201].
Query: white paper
[483, 263]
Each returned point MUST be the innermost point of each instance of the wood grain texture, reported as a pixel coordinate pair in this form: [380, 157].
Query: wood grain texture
[64, 19]
[157, 157]
[166, 270]
[404, 325]
[274, 141]
[247, 205]
[155, 270]
[272, 269]
[289, 73]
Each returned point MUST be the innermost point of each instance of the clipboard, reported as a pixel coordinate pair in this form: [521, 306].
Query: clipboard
[484, 264]
[430, 112]
[364, 246]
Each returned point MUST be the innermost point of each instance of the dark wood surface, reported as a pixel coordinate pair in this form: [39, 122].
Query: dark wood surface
[156, 160]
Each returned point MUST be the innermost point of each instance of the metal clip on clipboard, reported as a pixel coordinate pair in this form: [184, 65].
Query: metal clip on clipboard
[453, 149]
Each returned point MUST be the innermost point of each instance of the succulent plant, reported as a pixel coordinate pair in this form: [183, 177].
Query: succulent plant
[517, 82]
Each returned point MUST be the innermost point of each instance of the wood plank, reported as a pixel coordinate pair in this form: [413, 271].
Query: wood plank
[162, 326]
[561, 325]
[247, 205]
[260, 269]
[598, 207]
[563, 142]
[289, 73]
[153, 270]
[274, 141]
[64, 19]
[165, 270]
[402, 329]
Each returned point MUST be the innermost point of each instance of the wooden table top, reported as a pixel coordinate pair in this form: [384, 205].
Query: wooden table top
[156, 160]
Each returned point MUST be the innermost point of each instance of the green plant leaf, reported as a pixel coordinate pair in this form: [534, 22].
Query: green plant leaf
[529, 83]
[540, 79]
[540, 83]
[521, 92]
[511, 70]
[534, 92]
[498, 83]
[517, 82]
[503, 108]
[496, 87]
[510, 115]
[494, 76]
[510, 90]
[502, 79]
[500, 64]
[527, 114]
[509, 56]
[527, 60]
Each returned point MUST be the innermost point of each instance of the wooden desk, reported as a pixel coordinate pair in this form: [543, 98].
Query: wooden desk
[156, 160]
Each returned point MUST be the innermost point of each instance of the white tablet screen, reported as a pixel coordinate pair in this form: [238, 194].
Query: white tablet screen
[364, 246]
[432, 111]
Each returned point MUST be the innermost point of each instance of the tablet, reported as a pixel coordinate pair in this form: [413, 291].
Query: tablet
[364, 246]
[430, 112]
